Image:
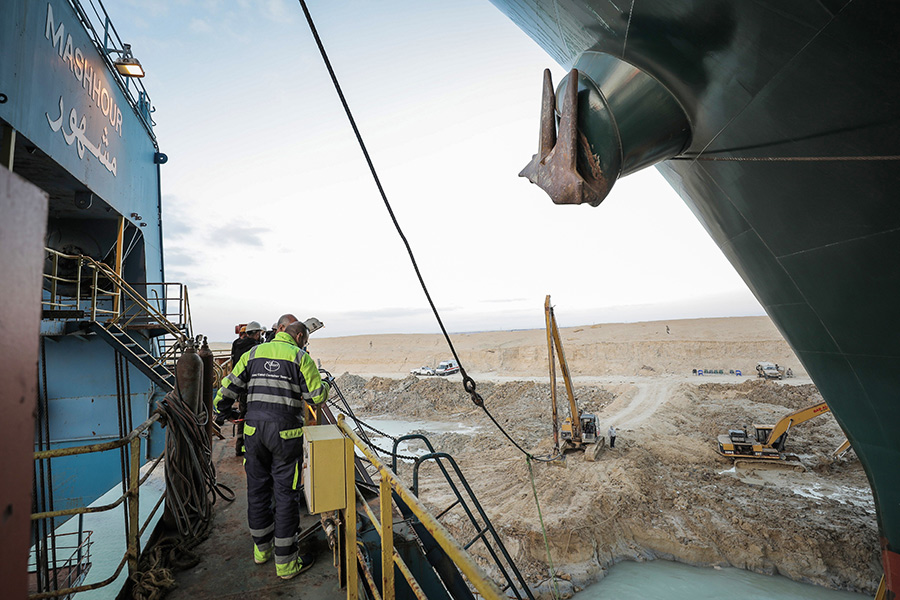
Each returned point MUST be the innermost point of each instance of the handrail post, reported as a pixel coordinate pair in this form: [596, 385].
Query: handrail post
[94, 296]
[352, 573]
[78, 262]
[53, 281]
[134, 505]
[387, 539]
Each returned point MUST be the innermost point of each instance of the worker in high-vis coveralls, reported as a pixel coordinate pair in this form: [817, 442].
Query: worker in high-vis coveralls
[277, 376]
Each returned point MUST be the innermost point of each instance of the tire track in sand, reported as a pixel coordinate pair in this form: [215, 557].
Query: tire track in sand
[651, 395]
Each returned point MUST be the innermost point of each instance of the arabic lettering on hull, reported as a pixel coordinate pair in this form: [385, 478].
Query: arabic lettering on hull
[78, 135]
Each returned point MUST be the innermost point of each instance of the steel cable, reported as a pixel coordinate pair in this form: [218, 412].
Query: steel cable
[468, 383]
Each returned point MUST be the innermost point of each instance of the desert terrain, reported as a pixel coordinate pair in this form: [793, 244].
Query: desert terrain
[663, 491]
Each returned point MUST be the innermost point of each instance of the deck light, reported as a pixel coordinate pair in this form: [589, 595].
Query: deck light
[127, 65]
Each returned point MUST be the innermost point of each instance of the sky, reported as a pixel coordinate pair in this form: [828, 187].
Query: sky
[269, 206]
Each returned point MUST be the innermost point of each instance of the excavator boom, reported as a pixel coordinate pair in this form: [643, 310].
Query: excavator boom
[801, 416]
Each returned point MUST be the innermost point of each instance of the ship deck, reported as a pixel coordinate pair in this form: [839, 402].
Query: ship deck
[226, 569]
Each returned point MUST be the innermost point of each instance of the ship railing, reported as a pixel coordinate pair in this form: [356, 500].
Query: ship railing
[167, 298]
[108, 42]
[72, 570]
[383, 525]
[74, 289]
[134, 529]
[77, 286]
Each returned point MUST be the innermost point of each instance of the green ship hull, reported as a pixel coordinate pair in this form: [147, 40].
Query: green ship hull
[789, 160]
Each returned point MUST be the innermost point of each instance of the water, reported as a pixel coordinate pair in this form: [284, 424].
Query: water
[675, 581]
[397, 428]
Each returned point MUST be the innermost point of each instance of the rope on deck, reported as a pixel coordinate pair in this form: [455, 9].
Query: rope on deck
[191, 491]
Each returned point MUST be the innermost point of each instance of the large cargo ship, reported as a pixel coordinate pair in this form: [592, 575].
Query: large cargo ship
[777, 123]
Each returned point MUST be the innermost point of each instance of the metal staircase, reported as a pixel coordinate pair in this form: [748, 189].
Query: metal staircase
[134, 353]
[92, 298]
[515, 587]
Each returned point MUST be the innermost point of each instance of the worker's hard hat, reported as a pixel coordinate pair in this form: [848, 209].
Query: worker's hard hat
[243, 328]
[254, 326]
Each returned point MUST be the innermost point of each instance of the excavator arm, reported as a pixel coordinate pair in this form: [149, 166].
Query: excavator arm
[801, 416]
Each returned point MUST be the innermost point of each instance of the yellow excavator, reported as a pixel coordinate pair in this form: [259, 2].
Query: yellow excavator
[766, 442]
[579, 428]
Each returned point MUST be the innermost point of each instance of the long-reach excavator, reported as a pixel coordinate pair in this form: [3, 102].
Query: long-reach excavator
[579, 428]
[766, 441]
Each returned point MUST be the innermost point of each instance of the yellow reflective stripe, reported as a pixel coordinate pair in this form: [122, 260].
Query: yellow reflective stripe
[249, 429]
[296, 474]
[290, 434]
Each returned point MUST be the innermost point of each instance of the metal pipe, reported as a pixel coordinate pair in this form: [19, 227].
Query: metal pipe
[77, 510]
[150, 516]
[134, 506]
[368, 575]
[94, 297]
[398, 560]
[53, 280]
[350, 549]
[80, 588]
[57, 452]
[436, 456]
[78, 284]
[387, 540]
[206, 395]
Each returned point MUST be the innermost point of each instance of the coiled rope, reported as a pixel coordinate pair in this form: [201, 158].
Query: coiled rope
[191, 491]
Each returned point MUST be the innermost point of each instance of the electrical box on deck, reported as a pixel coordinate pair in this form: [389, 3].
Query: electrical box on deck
[325, 452]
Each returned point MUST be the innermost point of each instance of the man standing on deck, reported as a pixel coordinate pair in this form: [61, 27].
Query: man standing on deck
[251, 333]
[242, 335]
[278, 376]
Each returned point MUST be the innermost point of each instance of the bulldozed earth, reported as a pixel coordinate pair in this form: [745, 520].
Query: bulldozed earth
[662, 492]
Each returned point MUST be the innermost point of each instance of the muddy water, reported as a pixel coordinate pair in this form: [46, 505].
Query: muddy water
[396, 428]
[675, 581]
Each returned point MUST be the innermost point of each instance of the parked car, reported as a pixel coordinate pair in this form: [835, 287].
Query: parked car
[447, 367]
[767, 370]
[423, 371]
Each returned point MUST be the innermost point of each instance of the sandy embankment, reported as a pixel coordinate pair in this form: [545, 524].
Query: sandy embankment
[660, 347]
[663, 492]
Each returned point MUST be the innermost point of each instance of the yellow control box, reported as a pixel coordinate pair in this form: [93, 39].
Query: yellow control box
[325, 452]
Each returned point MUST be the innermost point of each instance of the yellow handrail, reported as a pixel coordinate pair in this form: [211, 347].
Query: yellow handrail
[131, 495]
[119, 287]
[389, 482]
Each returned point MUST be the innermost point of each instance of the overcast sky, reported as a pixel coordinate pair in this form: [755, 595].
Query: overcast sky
[269, 206]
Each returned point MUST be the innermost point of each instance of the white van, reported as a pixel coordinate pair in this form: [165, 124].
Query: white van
[447, 367]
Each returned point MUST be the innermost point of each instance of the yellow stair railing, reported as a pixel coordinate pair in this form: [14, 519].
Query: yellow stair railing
[476, 576]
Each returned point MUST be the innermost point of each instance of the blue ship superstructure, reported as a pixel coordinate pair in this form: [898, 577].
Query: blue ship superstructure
[81, 132]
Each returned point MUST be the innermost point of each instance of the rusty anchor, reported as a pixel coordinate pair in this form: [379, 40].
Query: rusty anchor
[565, 167]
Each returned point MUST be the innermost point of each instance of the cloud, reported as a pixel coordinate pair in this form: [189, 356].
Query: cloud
[278, 11]
[179, 257]
[234, 233]
[385, 313]
[177, 223]
[200, 26]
